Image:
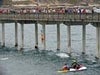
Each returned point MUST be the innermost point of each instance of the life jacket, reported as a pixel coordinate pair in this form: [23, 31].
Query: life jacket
[65, 67]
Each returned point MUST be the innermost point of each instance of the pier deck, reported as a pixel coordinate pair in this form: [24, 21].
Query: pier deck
[51, 17]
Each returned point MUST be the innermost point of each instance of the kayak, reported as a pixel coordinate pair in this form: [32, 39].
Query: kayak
[62, 71]
[72, 70]
[80, 69]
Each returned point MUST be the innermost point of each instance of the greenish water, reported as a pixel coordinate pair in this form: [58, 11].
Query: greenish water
[46, 62]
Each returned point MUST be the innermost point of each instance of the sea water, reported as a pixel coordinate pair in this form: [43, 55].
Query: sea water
[46, 62]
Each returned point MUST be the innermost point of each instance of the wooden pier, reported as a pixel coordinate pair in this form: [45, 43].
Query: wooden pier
[44, 19]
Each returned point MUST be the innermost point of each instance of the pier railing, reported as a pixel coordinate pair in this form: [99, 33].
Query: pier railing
[86, 17]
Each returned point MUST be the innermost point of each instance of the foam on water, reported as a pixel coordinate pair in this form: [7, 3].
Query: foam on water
[62, 55]
[4, 58]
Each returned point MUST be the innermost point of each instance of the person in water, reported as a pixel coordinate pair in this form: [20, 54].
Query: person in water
[75, 65]
[65, 67]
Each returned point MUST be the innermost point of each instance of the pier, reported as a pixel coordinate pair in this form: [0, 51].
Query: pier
[69, 19]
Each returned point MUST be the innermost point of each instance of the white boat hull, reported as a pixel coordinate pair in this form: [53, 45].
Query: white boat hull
[80, 69]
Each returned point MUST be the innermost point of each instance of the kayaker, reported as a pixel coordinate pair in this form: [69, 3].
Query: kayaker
[65, 67]
[75, 65]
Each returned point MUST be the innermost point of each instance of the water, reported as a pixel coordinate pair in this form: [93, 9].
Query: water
[46, 62]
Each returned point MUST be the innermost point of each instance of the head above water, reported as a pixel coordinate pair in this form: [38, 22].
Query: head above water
[74, 61]
[65, 64]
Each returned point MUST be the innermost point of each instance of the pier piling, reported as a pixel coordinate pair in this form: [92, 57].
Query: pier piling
[16, 34]
[44, 37]
[36, 36]
[98, 40]
[3, 35]
[69, 38]
[22, 36]
[58, 36]
[83, 39]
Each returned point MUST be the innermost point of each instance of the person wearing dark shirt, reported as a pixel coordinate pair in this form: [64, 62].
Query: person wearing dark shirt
[75, 65]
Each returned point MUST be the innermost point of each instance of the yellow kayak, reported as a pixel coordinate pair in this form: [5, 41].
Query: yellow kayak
[62, 71]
